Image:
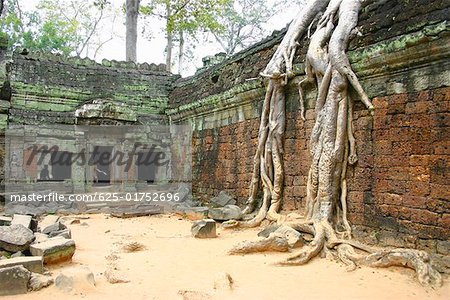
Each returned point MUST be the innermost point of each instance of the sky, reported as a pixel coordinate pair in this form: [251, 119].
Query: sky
[152, 51]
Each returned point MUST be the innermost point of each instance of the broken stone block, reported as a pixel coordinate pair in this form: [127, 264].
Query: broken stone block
[49, 223]
[38, 282]
[24, 220]
[193, 213]
[14, 280]
[54, 250]
[75, 278]
[204, 229]
[15, 238]
[228, 212]
[222, 200]
[65, 233]
[5, 221]
[31, 263]
[40, 237]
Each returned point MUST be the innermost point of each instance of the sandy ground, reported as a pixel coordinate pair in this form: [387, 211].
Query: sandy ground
[173, 261]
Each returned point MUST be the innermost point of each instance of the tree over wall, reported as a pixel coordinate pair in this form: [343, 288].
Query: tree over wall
[332, 146]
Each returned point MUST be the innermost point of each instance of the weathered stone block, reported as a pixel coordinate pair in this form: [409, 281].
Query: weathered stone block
[222, 199]
[31, 263]
[54, 250]
[24, 220]
[204, 229]
[14, 280]
[228, 212]
[15, 238]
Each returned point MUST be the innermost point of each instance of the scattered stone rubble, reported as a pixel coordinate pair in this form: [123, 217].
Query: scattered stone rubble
[26, 245]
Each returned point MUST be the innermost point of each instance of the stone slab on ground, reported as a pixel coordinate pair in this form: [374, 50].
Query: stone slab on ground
[38, 282]
[228, 212]
[14, 280]
[15, 238]
[31, 263]
[204, 229]
[222, 199]
[193, 213]
[24, 220]
[54, 250]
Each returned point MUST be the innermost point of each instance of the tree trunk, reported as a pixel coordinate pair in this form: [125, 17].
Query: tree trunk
[132, 13]
[169, 34]
[332, 146]
[181, 53]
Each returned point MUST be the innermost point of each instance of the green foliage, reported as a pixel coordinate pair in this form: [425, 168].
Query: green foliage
[34, 32]
[187, 16]
[57, 26]
[243, 21]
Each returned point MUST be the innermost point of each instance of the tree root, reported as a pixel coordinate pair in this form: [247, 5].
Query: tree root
[325, 241]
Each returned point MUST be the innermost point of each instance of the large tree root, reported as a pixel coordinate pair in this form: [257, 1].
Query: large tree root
[345, 250]
[332, 147]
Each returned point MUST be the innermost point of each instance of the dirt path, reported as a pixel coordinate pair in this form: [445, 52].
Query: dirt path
[173, 261]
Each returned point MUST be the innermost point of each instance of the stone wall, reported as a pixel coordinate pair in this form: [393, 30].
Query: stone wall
[48, 88]
[398, 192]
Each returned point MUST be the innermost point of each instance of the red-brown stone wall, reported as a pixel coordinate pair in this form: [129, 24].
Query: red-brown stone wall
[399, 184]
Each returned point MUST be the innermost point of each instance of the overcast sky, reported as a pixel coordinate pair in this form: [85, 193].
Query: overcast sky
[153, 51]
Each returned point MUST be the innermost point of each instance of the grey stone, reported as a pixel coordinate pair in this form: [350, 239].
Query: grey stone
[222, 200]
[71, 278]
[40, 237]
[17, 254]
[49, 223]
[268, 230]
[31, 263]
[24, 220]
[38, 282]
[5, 221]
[54, 250]
[64, 283]
[204, 229]
[443, 247]
[228, 212]
[294, 238]
[65, 233]
[193, 213]
[14, 280]
[15, 238]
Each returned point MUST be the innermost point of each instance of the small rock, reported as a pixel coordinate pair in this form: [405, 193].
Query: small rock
[65, 233]
[222, 200]
[14, 280]
[54, 250]
[40, 237]
[31, 263]
[38, 282]
[228, 212]
[76, 221]
[17, 254]
[268, 230]
[15, 238]
[75, 278]
[223, 281]
[294, 238]
[24, 220]
[204, 229]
